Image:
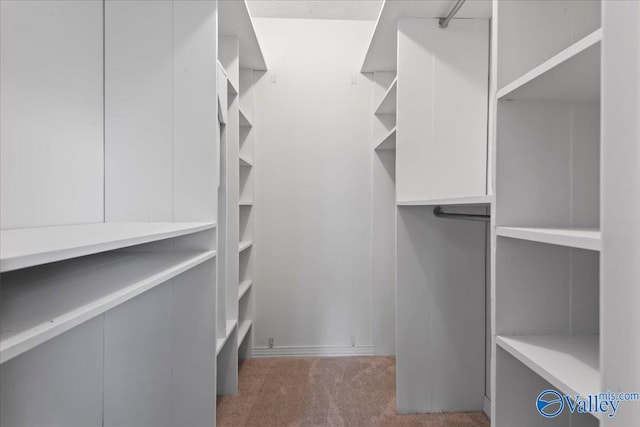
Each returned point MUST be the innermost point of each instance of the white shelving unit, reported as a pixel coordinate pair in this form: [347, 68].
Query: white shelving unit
[245, 245]
[388, 141]
[27, 247]
[548, 243]
[387, 104]
[244, 287]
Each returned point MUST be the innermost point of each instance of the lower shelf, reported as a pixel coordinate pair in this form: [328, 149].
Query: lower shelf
[244, 245]
[42, 304]
[243, 288]
[243, 331]
[220, 342]
[568, 362]
[583, 238]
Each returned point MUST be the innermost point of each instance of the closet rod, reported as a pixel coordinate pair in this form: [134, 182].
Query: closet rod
[444, 22]
[437, 211]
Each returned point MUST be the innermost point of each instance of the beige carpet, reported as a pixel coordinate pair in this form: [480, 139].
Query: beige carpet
[342, 391]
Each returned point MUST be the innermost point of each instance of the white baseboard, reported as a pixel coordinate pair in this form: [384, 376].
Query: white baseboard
[486, 406]
[313, 351]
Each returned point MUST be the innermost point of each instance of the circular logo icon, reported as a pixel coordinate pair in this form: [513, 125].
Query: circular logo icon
[549, 403]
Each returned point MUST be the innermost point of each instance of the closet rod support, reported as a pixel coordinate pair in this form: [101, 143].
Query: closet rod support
[437, 211]
[444, 22]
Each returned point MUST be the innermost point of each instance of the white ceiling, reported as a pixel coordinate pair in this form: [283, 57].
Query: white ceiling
[316, 9]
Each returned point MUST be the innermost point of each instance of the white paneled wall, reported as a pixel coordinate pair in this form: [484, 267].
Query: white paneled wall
[313, 188]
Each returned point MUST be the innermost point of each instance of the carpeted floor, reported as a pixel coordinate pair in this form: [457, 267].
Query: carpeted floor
[341, 391]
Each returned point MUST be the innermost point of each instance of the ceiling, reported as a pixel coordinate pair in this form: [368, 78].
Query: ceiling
[316, 9]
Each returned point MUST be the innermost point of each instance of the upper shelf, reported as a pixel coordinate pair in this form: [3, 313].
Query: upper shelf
[26, 247]
[571, 75]
[388, 102]
[234, 20]
[244, 119]
[382, 52]
[42, 304]
[388, 141]
[467, 201]
[245, 162]
[582, 238]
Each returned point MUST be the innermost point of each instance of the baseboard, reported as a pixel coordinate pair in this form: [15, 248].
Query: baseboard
[313, 351]
[486, 406]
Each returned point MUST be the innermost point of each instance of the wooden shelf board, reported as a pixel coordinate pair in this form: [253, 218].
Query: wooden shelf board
[40, 304]
[245, 244]
[244, 162]
[387, 104]
[234, 20]
[388, 141]
[568, 362]
[27, 247]
[220, 342]
[244, 120]
[243, 331]
[382, 52]
[583, 238]
[469, 201]
[571, 75]
[243, 288]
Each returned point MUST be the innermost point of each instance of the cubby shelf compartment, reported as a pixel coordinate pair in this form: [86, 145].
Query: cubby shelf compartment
[244, 120]
[245, 162]
[244, 245]
[469, 201]
[243, 288]
[43, 304]
[387, 104]
[220, 342]
[568, 362]
[27, 247]
[243, 331]
[571, 75]
[388, 141]
[583, 238]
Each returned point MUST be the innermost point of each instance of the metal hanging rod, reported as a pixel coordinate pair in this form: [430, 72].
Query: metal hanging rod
[437, 211]
[444, 22]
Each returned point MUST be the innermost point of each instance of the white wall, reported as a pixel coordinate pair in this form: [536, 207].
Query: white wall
[313, 186]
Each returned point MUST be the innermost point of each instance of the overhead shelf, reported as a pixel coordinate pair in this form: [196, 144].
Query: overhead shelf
[220, 342]
[244, 120]
[388, 141]
[26, 247]
[244, 288]
[245, 244]
[387, 104]
[39, 305]
[382, 52]
[234, 20]
[243, 331]
[468, 201]
[583, 238]
[245, 162]
[571, 75]
[568, 362]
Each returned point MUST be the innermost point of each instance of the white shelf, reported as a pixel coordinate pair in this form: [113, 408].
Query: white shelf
[28, 247]
[583, 238]
[468, 201]
[245, 162]
[387, 104]
[234, 20]
[568, 362]
[39, 305]
[243, 331]
[245, 244]
[382, 52]
[388, 141]
[571, 75]
[220, 342]
[243, 288]
[244, 120]
[245, 203]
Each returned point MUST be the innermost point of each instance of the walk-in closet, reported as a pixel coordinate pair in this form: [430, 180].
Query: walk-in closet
[319, 212]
